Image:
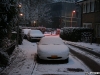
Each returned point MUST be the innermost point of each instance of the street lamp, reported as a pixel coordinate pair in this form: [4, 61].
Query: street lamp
[19, 5]
[34, 23]
[19, 15]
[72, 16]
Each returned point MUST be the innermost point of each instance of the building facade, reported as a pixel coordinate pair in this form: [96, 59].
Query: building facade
[91, 15]
[64, 14]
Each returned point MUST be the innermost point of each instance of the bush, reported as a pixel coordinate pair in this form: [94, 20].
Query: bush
[4, 58]
[76, 34]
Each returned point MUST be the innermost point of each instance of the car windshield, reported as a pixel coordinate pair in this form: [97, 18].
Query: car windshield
[35, 32]
[51, 40]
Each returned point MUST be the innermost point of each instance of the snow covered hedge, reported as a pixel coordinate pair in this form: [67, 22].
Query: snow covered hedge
[76, 34]
[4, 58]
[8, 22]
[5, 54]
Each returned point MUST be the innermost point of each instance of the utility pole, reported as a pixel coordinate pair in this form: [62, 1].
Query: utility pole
[72, 17]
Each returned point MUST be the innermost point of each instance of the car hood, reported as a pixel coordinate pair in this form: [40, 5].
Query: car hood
[53, 48]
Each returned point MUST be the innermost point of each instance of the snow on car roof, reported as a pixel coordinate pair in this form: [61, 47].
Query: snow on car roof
[51, 40]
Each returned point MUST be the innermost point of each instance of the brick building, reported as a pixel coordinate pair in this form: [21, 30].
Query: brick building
[91, 16]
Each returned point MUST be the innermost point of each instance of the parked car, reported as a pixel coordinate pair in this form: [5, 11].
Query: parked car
[52, 48]
[34, 35]
[49, 29]
[25, 31]
[58, 31]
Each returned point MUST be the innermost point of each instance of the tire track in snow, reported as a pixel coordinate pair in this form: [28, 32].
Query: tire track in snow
[89, 59]
[35, 65]
[47, 68]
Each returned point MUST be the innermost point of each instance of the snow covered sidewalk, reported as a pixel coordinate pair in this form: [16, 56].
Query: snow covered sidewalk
[22, 60]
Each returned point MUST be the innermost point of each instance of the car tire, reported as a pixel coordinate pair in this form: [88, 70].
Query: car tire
[30, 39]
[25, 37]
[66, 60]
[38, 59]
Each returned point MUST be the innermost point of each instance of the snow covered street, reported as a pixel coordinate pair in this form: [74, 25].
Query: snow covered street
[50, 37]
[61, 69]
[23, 63]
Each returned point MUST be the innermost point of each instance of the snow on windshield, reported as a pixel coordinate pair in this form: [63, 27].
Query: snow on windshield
[51, 40]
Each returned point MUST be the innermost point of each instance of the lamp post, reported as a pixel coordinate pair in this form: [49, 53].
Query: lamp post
[19, 15]
[72, 16]
[34, 23]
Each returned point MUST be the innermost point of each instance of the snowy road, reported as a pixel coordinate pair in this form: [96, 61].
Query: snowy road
[24, 63]
[62, 68]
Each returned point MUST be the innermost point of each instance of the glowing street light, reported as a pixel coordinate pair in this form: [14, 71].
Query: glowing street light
[21, 14]
[72, 16]
[34, 23]
[19, 5]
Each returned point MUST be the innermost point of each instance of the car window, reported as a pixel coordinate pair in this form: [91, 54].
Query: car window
[35, 32]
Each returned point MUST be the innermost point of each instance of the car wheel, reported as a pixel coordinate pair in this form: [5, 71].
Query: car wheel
[25, 37]
[38, 59]
[66, 60]
[29, 38]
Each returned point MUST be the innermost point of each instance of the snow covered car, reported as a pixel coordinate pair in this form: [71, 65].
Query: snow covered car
[25, 31]
[35, 35]
[52, 48]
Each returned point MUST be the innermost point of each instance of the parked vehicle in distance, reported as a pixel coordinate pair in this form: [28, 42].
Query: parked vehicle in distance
[57, 31]
[25, 31]
[34, 35]
[49, 29]
[52, 48]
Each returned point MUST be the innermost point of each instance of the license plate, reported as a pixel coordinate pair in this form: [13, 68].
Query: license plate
[54, 56]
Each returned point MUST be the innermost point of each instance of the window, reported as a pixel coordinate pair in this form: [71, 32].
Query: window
[98, 30]
[92, 6]
[84, 8]
[97, 5]
[88, 7]
[87, 25]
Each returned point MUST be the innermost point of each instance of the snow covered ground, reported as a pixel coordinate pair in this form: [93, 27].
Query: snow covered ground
[61, 69]
[22, 63]
[95, 47]
[22, 60]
